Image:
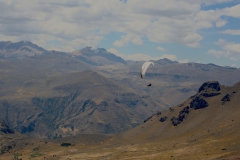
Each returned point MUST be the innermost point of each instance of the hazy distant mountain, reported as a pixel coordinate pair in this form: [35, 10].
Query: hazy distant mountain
[19, 49]
[172, 82]
[97, 57]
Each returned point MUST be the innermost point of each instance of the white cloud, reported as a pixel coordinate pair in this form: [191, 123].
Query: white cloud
[231, 32]
[183, 61]
[232, 11]
[229, 49]
[75, 24]
[221, 23]
[126, 39]
[141, 56]
[135, 57]
[207, 2]
[217, 54]
[161, 49]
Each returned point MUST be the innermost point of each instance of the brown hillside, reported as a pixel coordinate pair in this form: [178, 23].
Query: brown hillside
[206, 126]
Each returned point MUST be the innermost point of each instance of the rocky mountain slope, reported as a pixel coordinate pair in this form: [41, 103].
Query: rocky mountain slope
[9, 139]
[81, 102]
[205, 126]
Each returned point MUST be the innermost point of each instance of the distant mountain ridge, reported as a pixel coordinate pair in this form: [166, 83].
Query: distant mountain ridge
[97, 57]
[19, 49]
[8, 45]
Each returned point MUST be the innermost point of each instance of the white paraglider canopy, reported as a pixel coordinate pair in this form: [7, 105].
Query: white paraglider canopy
[145, 67]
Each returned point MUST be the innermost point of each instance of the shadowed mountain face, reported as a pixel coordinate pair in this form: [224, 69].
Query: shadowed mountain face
[5, 128]
[82, 102]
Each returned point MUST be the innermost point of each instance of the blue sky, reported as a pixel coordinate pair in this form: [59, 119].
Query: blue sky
[203, 31]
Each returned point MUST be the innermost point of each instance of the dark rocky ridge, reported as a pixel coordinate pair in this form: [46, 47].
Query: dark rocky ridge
[4, 128]
[182, 115]
[199, 101]
[213, 85]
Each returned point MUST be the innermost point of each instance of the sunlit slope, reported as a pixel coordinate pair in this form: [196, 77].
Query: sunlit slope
[206, 124]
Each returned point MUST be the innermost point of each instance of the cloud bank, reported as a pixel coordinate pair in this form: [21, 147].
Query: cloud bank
[70, 25]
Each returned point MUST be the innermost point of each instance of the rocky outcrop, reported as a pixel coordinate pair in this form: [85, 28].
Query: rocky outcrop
[213, 85]
[226, 98]
[182, 114]
[28, 129]
[5, 128]
[163, 119]
[147, 119]
[198, 103]
[5, 149]
[209, 94]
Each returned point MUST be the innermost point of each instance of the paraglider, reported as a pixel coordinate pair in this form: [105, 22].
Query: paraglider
[144, 69]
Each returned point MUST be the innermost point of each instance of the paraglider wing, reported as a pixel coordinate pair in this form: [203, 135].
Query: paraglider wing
[144, 68]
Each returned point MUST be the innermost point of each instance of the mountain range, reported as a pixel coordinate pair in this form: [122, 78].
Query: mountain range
[55, 94]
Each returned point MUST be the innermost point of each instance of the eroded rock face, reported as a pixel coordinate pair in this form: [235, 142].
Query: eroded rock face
[210, 94]
[163, 119]
[213, 85]
[225, 99]
[5, 128]
[198, 103]
[28, 129]
[147, 119]
[182, 114]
